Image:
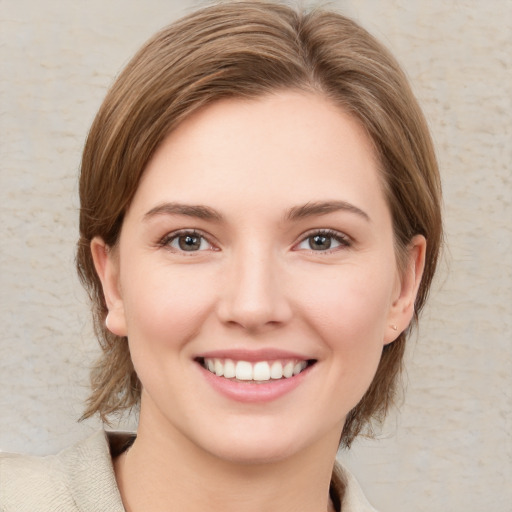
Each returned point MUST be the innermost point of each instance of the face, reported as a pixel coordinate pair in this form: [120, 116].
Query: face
[256, 279]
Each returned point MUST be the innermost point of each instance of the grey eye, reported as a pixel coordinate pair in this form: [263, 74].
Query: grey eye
[188, 242]
[323, 241]
[320, 242]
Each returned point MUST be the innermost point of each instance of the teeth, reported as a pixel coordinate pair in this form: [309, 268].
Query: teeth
[219, 368]
[229, 369]
[297, 368]
[259, 372]
[243, 370]
[287, 370]
[276, 370]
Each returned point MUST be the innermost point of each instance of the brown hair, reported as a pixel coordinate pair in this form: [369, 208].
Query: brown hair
[248, 49]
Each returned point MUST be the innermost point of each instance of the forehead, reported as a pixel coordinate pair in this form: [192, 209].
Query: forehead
[290, 144]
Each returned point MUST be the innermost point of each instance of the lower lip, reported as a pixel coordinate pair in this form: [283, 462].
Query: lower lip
[254, 392]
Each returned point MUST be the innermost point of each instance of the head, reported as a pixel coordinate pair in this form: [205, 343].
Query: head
[247, 51]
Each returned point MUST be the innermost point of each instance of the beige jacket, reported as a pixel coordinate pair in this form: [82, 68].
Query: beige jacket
[81, 479]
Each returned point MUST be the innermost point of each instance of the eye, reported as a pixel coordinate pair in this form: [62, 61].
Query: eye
[186, 241]
[322, 241]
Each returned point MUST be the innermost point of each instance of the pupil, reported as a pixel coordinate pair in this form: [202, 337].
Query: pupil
[320, 242]
[189, 243]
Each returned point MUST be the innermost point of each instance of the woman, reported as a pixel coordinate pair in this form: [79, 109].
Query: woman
[260, 223]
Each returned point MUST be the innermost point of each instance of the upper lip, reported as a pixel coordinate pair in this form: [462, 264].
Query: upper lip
[268, 354]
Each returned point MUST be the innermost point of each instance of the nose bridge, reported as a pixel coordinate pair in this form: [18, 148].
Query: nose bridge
[255, 296]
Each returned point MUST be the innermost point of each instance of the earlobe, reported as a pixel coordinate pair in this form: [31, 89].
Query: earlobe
[402, 308]
[107, 267]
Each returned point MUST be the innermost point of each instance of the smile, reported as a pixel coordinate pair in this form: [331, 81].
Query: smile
[258, 371]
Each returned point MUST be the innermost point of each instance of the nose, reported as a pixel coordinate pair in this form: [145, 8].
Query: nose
[254, 296]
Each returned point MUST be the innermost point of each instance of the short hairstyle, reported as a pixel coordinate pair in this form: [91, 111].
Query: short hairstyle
[246, 50]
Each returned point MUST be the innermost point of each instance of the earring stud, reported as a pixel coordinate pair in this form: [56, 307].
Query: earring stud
[394, 327]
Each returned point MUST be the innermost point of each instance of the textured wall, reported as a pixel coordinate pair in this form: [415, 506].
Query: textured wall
[450, 448]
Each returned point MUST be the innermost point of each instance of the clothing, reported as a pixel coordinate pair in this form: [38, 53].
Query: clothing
[82, 479]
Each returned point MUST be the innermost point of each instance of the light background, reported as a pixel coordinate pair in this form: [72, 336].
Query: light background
[450, 448]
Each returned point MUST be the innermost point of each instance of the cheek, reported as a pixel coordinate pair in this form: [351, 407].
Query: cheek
[165, 306]
[348, 312]
[165, 310]
[353, 300]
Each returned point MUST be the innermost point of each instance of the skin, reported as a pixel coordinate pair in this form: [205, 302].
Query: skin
[257, 281]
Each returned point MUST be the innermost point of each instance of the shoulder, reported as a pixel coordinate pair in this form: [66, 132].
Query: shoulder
[27, 481]
[349, 491]
[77, 479]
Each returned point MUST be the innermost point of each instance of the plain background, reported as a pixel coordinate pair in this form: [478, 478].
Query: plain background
[450, 447]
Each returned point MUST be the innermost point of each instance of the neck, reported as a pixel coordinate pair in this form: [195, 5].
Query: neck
[163, 472]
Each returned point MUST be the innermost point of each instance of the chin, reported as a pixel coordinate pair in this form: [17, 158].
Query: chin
[254, 452]
[263, 443]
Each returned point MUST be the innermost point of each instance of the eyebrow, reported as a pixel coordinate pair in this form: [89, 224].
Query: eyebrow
[295, 213]
[323, 208]
[189, 210]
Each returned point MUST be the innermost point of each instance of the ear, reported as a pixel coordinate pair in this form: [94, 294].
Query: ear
[106, 262]
[408, 283]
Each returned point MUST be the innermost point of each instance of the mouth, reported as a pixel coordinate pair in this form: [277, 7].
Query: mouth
[258, 371]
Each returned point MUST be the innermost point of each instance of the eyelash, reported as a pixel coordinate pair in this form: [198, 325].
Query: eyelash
[341, 239]
[175, 235]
